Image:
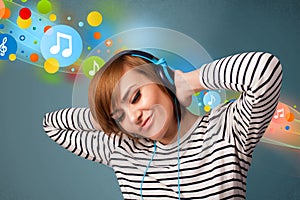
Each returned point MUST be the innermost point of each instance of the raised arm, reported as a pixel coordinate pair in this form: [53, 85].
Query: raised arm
[73, 129]
[258, 76]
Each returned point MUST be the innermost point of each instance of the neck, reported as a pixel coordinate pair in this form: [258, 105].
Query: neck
[187, 120]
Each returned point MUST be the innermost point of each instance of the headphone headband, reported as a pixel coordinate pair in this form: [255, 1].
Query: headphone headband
[162, 70]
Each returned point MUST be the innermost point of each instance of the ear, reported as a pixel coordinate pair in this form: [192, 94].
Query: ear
[166, 75]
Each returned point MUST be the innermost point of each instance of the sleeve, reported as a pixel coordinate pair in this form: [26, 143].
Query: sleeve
[258, 76]
[72, 129]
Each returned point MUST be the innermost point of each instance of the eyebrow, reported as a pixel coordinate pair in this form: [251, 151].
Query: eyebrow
[127, 93]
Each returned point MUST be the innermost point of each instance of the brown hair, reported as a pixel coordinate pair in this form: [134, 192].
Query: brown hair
[103, 84]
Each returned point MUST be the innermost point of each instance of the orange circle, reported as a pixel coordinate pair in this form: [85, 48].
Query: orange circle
[6, 13]
[108, 43]
[97, 35]
[46, 28]
[290, 117]
[34, 57]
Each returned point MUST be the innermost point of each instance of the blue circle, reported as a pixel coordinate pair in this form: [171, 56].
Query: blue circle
[62, 43]
[212, 99]
[9, 46]
[22, 37]
[287, 128]
[80, 24]
[1, 26]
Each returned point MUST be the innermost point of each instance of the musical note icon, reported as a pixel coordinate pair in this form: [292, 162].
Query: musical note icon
[94, 70]
[212, 100]
[280, 112]
[56, 48]
[3, 48]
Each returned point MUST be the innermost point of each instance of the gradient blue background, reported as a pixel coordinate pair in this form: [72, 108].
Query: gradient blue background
[33, 167]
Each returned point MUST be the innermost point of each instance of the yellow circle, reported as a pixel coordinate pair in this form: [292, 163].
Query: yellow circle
[51, 65]
[52, 17]
[206, 108]
[12, 57]
[94, 18]
[24, 23]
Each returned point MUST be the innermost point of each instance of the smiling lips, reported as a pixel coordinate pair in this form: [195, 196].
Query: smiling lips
[147, 123]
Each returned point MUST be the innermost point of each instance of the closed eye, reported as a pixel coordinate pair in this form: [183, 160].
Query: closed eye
[136, 96]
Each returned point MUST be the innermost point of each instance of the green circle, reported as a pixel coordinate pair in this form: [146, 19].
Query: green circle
[91, 65]
[44, 6]
[24, 1]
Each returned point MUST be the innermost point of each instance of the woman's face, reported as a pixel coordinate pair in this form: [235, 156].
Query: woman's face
[141, 107]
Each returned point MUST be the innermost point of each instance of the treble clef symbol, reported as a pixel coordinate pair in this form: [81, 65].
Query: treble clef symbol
[3, 48]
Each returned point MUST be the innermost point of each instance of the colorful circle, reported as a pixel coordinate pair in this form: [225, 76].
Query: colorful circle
[80, 24]
[10, 47]
[22, 37]
[24, 23]
[52, 17]
[2, 8]
[46, 28]
[5, 12]
[97, 35]
[108, 43]
[289, 117]
[63, 43]
[207, 108]
[34, 57]
[25, 13]
[212, 99]
[51, 65]
[44, 6]
[12, 57]
[94, 18]
[91, 65]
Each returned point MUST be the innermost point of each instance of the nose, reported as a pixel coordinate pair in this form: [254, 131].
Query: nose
[135, 115]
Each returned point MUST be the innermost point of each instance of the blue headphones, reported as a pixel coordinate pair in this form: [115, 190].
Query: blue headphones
[160, 66]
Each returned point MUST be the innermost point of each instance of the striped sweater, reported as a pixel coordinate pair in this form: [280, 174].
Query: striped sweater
[215, 153]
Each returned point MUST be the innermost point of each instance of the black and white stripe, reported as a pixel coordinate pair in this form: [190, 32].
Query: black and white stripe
[215, 155]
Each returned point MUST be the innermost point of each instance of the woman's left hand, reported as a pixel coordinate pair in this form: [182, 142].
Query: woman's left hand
[186, 85]
[184, 91]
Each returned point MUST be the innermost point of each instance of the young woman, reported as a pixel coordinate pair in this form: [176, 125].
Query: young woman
[157, 148]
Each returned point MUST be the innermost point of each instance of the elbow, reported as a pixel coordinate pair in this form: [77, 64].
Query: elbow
[46, 125]
[273, 67]
[274, 62]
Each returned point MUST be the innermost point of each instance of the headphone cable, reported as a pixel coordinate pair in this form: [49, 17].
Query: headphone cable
[150, 161]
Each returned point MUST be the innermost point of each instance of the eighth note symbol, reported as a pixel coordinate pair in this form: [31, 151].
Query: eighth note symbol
[94, 70]
[56, 48]
[281, 113]
[212, 100]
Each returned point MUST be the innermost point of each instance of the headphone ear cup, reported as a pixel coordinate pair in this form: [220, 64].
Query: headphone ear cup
[165, 78]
